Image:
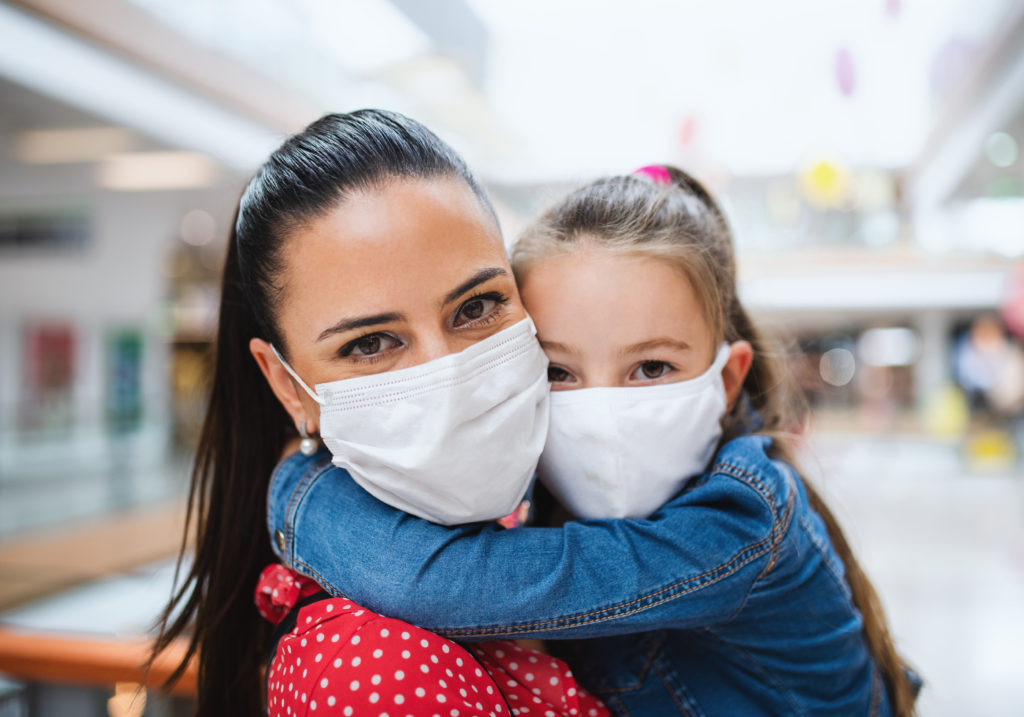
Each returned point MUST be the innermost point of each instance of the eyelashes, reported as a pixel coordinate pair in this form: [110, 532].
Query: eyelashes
[485, 316]
[376, 345]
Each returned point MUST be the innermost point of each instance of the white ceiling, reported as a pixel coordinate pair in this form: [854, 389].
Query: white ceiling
[576, 87]
[570, 88]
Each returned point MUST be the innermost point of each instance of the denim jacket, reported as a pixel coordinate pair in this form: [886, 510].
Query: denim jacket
[729, 600]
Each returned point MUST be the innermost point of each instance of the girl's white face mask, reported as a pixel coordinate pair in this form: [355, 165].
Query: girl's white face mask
[454, 440]
[622, 452]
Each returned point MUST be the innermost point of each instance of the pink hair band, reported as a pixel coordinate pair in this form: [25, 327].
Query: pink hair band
[656, 173]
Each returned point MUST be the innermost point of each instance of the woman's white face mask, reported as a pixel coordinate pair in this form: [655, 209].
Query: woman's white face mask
[453, 440]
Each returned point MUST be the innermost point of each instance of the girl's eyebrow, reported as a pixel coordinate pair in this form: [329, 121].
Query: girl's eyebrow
[556, 346]
[660, 343]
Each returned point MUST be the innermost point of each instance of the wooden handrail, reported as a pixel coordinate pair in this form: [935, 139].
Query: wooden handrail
[39, 565]
[39, 657]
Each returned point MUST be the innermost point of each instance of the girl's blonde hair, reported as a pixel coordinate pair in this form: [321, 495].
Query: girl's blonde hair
[673, 217]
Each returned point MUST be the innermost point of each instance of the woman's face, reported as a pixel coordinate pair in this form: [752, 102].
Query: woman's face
[391, 277]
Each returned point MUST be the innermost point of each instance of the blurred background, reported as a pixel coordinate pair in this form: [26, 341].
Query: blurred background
[867, 153]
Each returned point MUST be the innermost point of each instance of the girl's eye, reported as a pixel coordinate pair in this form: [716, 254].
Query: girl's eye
[479, 308]
[651, 370]
[557, 374]
[369, 345]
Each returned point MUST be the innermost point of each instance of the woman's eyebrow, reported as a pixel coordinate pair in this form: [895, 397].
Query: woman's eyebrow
[361, 322]
[477, 278]
[661, 343]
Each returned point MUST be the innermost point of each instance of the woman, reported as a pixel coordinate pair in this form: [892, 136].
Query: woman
[365, 221]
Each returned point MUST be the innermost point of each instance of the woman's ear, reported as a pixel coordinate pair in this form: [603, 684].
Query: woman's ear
[741, 356]
[282, 384]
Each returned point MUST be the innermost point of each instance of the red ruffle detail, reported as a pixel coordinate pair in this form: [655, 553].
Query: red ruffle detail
[278, 589]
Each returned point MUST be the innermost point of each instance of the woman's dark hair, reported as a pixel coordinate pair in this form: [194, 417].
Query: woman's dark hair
[678, 221]
[245, 429]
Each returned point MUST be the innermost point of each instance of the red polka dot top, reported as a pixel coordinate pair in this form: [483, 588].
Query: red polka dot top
[342, 659]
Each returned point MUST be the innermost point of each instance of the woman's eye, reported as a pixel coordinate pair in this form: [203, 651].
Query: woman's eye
[652, 370]
[369, 345]
[478, 308]
[557, 374]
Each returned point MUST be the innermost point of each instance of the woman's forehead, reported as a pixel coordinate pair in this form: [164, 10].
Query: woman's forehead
[406, 241]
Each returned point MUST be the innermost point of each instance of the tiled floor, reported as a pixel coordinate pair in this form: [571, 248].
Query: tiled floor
[946, 551]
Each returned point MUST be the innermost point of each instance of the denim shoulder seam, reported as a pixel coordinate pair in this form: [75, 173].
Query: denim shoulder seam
[779, 525]
[826, 551]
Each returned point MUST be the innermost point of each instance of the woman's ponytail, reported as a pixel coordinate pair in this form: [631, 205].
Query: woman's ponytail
[242, 438]
[246, 429]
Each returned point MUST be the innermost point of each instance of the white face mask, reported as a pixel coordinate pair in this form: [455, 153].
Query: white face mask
[622, 452]
[454, 440]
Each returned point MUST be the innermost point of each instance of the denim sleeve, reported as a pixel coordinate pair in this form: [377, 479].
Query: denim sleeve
[691, 564]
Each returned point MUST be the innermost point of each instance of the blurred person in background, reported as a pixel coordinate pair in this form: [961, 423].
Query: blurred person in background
[990, 367]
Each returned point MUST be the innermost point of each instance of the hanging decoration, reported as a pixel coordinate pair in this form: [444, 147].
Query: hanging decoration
[845, 73]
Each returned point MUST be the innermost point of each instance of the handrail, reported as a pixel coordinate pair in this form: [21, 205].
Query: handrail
[89, 661]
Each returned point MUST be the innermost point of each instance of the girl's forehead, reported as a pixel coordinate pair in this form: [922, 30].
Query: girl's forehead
[601, 295]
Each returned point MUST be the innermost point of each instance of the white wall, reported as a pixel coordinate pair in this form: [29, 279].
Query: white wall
[116, 280]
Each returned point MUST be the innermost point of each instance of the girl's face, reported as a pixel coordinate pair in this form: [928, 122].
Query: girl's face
[610, 319]
[607, 319]
[390, 278]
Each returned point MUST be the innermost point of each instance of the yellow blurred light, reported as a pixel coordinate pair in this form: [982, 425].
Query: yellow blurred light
[946, 413]
[141, 171]
[990, 449]
[825, 184]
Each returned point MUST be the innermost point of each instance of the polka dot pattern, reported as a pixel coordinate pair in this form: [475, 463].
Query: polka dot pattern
[534, 683]
[342, 659]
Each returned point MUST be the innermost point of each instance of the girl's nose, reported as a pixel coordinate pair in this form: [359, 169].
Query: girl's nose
[600, 376]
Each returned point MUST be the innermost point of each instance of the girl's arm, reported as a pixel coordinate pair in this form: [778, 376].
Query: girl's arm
[690, 564]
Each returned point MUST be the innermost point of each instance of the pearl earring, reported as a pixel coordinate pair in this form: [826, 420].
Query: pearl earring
[308, 445]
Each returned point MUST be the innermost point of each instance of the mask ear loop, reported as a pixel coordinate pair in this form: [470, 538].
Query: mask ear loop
[294, 375]
[308, 445]
[722, 357]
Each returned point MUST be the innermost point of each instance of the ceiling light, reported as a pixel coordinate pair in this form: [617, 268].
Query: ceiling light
[61, 146]
[141, 171]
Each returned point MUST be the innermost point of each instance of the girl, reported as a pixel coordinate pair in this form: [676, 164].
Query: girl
[708, 577]
[364, 221]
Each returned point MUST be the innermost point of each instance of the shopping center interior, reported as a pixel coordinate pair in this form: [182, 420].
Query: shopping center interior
[867, 155]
